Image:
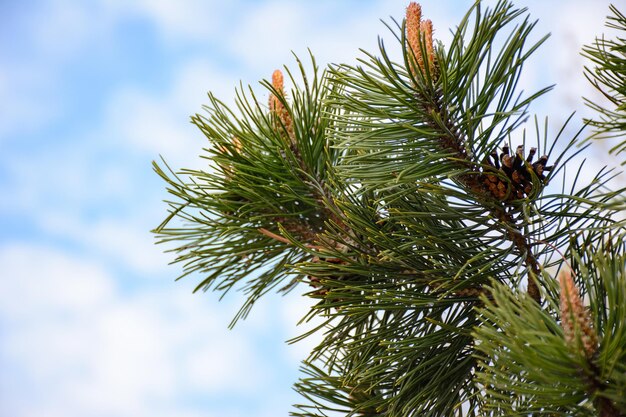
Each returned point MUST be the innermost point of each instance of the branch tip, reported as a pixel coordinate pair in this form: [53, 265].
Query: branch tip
[575, 319]
[281, 117]
[419, 36]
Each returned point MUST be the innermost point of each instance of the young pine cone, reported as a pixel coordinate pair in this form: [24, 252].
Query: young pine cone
[518, 170]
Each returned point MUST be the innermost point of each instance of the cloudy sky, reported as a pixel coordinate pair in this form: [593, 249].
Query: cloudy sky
[91, 320]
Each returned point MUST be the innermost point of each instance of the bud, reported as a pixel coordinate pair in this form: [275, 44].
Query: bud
[419, 32]
[413, 22]
[277, 108]
[575, 319]
[237, 143]
[426, 28]
[278, 84]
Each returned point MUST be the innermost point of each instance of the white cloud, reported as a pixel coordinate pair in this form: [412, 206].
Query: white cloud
[82, 200]
[149, 124]
[93, 172]
[25, 95]
[136, 122]
[125, 242]
[75, 345]
[48, 39]
[62, 27]
[49, 280]
[268, 32]
[195, 19]
[292, 310]
[98, 169]
[74, 340]
[576, 27]
[219, 367]
[159, 122]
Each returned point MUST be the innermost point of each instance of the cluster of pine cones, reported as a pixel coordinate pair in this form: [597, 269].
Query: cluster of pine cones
[518, 170]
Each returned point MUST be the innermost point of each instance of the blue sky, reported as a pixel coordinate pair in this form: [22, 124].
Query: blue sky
[91, 320]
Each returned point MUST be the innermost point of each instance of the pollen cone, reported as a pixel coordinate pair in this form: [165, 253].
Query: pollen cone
[282, 118]
[419, 36]
[575, 320]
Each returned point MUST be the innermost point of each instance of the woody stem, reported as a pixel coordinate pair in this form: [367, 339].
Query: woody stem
[452, 139]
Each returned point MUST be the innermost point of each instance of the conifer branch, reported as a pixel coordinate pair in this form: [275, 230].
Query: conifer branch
[393, 190]
[474, 179]
[608, 75]
[474, 176]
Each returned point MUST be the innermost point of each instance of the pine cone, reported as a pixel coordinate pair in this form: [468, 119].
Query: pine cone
[519, 172]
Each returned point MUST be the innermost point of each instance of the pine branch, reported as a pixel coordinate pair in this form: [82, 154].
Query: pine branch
[392, 190]
[608, 75]
[270, 167]
[434, 117]
[549, 351]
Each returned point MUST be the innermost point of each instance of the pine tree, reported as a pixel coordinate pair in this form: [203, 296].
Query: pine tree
[461, 265]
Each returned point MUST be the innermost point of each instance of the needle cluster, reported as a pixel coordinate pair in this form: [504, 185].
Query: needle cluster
[388, 192]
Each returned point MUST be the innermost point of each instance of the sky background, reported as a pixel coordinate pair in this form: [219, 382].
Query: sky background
[91, 320]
